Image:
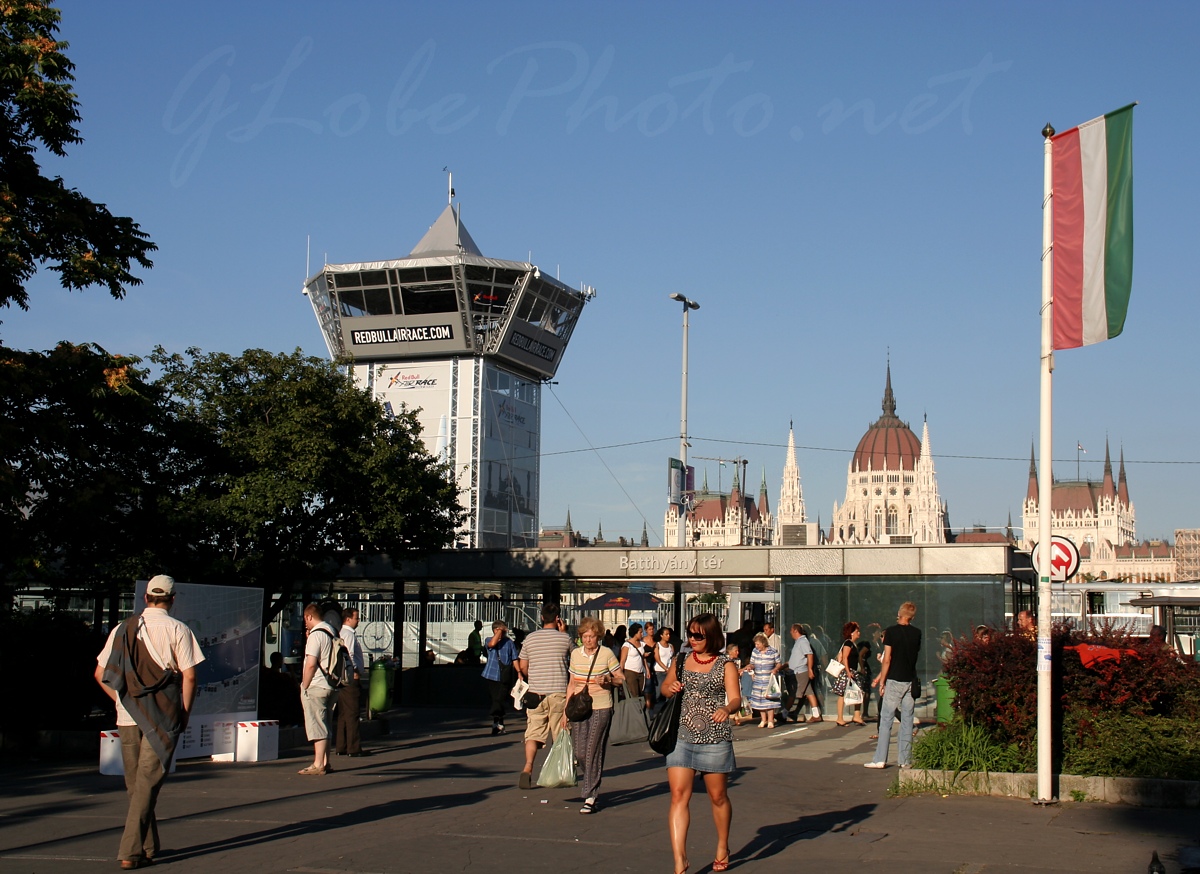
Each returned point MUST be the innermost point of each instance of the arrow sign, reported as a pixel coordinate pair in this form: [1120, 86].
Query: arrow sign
[1064, 559]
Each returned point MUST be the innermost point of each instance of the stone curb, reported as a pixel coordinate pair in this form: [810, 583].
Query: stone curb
[1134, 791]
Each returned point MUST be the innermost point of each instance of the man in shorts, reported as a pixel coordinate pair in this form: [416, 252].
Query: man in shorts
[543, 664]
[802, 673]
[317, 695]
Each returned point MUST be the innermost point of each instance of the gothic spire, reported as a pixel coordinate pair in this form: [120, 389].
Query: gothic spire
[763, 507]
[1108, 490]
[1122, 486]
[889, 399]
[645, 536]
[1031, 494]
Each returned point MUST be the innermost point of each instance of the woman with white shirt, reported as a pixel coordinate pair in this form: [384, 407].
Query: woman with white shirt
[632, 662]
[664, 654]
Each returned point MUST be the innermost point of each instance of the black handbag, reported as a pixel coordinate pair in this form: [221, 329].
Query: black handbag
[664, 729]
[579, 705]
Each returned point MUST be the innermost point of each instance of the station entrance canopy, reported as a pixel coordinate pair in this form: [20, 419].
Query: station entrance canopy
[601, 569]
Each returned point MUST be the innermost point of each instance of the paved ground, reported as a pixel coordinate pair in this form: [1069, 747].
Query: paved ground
[439, 794]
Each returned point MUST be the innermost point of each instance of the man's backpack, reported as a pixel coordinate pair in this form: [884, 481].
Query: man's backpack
[338, 670]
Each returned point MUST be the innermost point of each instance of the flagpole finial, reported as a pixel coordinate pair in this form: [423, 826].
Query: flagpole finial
[1048, 130]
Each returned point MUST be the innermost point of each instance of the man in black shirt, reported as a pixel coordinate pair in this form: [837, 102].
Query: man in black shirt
[901, 645]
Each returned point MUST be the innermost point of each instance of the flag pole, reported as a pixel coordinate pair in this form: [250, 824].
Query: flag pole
[1045, 689]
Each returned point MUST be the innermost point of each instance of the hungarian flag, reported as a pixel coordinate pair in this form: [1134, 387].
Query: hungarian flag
[1092, 184]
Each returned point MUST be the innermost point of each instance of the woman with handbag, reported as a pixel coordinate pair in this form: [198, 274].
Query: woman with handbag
[848, 658]
[500, 672]
[633, 661]
[708, 684]
[764, 665]
[589, 706]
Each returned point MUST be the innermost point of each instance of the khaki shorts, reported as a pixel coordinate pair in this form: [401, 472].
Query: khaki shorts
[317, 703]
[804, 686]
[545, 720]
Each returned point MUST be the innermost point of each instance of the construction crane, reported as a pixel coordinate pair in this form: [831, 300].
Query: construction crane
[734, 461]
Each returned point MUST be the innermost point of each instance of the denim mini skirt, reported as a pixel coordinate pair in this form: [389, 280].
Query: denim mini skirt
[706, 758]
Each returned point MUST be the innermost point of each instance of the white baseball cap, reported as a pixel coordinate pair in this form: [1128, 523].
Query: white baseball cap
[161, 585]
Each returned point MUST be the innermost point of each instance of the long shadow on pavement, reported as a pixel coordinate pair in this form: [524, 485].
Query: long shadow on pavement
[775, 838]
[373, 813]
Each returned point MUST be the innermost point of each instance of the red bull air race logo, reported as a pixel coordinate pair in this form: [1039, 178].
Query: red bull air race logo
[509, 414]
[402, 381]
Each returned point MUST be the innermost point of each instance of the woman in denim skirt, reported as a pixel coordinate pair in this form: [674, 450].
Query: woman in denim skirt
[711, 693]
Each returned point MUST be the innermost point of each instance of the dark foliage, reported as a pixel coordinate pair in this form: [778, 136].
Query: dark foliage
[1136, 715]
[62, 649]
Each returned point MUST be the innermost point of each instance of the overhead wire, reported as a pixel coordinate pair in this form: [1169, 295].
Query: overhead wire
[596, 450]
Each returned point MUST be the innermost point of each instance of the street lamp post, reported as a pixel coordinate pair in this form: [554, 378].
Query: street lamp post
[683, 441]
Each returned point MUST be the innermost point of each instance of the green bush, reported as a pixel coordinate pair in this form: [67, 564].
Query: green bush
[963, 746]
[1119, 745]
[1134, 715]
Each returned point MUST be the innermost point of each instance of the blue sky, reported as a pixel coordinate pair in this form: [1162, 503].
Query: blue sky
[830, 182]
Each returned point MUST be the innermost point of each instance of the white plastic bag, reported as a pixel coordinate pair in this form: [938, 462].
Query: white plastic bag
[518, 692]
[854, 694]
[559, 770]
[773, 690]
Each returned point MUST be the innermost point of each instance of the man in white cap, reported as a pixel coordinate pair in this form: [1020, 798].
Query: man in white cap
[148, 667]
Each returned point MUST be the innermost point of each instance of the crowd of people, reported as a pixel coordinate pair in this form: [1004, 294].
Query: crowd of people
[572, 680]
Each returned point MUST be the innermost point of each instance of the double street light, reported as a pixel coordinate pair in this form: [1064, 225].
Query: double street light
[688, 305]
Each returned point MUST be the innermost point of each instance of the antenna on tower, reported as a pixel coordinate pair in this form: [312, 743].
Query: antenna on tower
[449, 185]
[307, 257]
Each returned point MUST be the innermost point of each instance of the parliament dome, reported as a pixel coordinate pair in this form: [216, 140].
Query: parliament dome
[889, 442]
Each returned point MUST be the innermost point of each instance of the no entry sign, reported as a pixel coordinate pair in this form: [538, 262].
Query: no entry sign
[1064, 559]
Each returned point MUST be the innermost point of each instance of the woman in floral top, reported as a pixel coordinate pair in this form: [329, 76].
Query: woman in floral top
[711, 694]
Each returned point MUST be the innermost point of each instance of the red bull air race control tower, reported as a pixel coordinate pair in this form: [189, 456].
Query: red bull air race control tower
[467, 340]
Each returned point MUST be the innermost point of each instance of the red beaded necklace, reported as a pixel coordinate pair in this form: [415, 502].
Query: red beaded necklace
[702, 661]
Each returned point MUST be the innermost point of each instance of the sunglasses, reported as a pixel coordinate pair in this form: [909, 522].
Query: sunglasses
[697, 635]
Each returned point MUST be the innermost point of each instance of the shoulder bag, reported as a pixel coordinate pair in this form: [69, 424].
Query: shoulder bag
[664, 729]
[629, 717]
[579, 705]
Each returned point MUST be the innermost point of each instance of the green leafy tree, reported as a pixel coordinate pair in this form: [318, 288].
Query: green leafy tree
[42, 221]
[83, 475]
[289, 469]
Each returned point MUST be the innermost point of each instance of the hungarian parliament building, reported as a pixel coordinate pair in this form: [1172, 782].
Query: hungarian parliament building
[892, 498]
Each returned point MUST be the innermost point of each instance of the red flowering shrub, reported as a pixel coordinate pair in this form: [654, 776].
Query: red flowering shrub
[995, 685]
[1102, 679]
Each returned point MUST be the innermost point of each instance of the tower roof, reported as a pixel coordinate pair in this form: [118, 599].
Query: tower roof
[889, 442]
[446, 236]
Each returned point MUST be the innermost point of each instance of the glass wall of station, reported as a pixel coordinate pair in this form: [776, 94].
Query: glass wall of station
[510, 445]
[947, 608]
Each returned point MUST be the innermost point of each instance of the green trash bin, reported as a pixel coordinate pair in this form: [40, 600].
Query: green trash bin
[945, 699]
[380, 692]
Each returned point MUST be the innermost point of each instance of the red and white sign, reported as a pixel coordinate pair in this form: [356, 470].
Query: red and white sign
[1064, 559]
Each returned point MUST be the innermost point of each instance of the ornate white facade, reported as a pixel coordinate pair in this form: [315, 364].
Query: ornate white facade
[1099, 518]
[718, 519]
[792, 527]
[891, 486]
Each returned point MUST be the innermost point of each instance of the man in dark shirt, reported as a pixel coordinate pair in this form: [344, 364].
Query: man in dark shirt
[901, 645]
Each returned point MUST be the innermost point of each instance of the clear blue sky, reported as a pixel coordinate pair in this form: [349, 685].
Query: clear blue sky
[828, 181]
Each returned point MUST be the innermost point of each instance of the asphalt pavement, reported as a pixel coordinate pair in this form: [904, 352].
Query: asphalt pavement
[439, 793]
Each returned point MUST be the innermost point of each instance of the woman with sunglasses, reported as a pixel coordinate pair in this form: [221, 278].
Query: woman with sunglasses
[711, 694]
